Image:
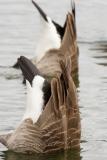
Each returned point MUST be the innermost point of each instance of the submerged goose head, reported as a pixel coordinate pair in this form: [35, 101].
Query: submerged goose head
[38, 89]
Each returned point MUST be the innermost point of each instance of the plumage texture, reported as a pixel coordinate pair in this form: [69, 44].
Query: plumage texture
[49, 64]
[58, 127]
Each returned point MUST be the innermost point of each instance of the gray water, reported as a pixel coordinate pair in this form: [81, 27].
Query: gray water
[19, 30]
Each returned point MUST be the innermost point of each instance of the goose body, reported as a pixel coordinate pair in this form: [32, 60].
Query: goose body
[56, 127]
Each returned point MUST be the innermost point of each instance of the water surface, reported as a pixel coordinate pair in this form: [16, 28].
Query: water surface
[19, 30]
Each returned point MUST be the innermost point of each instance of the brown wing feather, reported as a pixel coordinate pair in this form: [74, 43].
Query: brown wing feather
[58, 128]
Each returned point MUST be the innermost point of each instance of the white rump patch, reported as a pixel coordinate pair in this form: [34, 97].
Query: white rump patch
[49, 39]
[34, 103]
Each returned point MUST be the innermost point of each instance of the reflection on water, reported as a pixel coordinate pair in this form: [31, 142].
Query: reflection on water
[69, 155]
[100, 51]
[93, 99]
[9, 73]
[100, 47]
[101, 56]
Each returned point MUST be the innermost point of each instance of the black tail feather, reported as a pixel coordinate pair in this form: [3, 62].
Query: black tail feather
[47, 91]
[42, 13]
[29, 70]
[59, 28]
[74, 15]
[73, 8]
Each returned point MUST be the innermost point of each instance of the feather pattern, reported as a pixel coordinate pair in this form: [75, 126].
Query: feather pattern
[38, 89]
[49, 63]
[58, 127]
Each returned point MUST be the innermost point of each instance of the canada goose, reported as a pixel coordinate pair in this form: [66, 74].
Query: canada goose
[48, 62]
[38, 89]
[52, 34]
[58, 127]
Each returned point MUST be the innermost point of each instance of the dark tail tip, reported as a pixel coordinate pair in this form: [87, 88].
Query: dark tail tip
[59, 29]
[42, 13]
[73, 8]
[29, 70]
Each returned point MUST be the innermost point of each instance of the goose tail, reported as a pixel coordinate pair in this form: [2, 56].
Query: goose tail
[42, 13]
[58, 27]
[73, 8]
